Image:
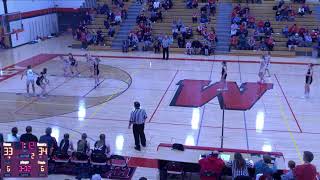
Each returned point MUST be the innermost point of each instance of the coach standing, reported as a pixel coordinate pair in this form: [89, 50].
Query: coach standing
[165, 47]
[137, 118]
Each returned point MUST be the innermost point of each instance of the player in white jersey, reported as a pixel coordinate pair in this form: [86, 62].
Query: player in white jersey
[91, 63]
[66, 66]
[267, 59]
[31, 75]
[262, 70]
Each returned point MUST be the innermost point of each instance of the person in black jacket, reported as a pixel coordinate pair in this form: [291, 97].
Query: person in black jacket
[28, 136]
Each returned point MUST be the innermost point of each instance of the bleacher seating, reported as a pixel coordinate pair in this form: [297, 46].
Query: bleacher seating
[264, 12]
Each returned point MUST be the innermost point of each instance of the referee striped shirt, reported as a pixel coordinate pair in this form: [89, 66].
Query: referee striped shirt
[138, 116]
[237, 171]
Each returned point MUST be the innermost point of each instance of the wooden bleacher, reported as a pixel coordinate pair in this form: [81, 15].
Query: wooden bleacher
[264, 12]
[97, 23]
[179, 10]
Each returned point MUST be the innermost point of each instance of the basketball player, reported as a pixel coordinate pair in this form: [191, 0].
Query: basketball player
[224, 74]
[262, 70]
[73, 64]
[90, 62]
[309, 79]
[30, 79]
[66, 66]
[267, 59]
[42, 82]
[96, 71]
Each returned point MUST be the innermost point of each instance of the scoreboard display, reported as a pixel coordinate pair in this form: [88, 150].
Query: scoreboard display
[20, 159]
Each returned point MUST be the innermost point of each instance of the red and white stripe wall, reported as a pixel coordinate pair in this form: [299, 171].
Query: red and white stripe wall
[39, 17]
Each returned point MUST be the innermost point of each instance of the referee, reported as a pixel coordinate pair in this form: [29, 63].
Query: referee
[137, 118]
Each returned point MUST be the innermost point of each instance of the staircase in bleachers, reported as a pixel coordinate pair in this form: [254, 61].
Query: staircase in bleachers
[126, 26]
[223, 27]
[317, 12]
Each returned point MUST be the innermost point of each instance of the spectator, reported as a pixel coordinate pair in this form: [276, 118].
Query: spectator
[306, 171]
[262, 166]
[96, 177]
[13, 136]
[234, 42]
[211, 166]
[242, 42]
[285, 31]
[270, 43]
[194, 18]
[111, 31]
[65, 147]
[156, 45]
[28, 136]
[251, 43]
[289, 174]
[239, 166]
[301, 11]
[50, 141]
[106, 24]
[181, 41]
[307, 40]
[1, 138]
[83, 148]
[188, 48]
[101, 150]
[196, 46]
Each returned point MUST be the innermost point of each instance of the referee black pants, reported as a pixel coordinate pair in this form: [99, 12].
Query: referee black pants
[165, 53]
[138, 133]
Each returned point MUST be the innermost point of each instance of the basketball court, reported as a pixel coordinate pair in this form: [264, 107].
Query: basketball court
[277, 119]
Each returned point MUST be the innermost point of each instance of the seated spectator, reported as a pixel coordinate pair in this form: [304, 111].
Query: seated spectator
[179, 24]
[189, 33]
[307, 40]
[280, 4]
[13, 136]
[101, 150]
[156, 5]
[50, 141]
[175, 33]
[196, 46]
[28, 136]
[270, 43]
[242, 42]
[159, 16]
[239, 166]
[293, 29]
[234, 29]
[306, 171]
[188, 48]
[263, 166]
[189, 4]
[194, 18]
[251, 43]
[292, 16]
[291, 43]
[301, 11]
[125, 46]
[267, 24]
[204, 18]
[65, 148]
[306, 8]
[183, 31]
[181, 41]
[156, 45]
[100, 38]
[251, 22]
[106, 24]
[211, 166]
[111, 31]
[236, 19]
[260, 27]
[118, 18]
[195, 3]
[83, 148]
[289, 174]
[285, 31]
[234, 42]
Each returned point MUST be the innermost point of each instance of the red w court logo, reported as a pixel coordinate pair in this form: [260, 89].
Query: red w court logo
[196, 93]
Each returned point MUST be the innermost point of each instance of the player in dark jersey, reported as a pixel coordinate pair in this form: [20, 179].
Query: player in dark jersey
[309, 79]
[96, 71]
[224, 74]
[73, 64]
[42, 82]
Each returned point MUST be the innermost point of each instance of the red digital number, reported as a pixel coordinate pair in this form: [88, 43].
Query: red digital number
[31, 145]
[25, 168]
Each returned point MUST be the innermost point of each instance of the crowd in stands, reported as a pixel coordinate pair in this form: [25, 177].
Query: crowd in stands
[212, 167]
[141, 38]
[249, 34]
[114, 16]
[288, 13]
[207, 43]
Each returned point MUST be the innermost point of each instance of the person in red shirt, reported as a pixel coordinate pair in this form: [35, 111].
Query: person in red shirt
[211, 167]
[306, 171]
